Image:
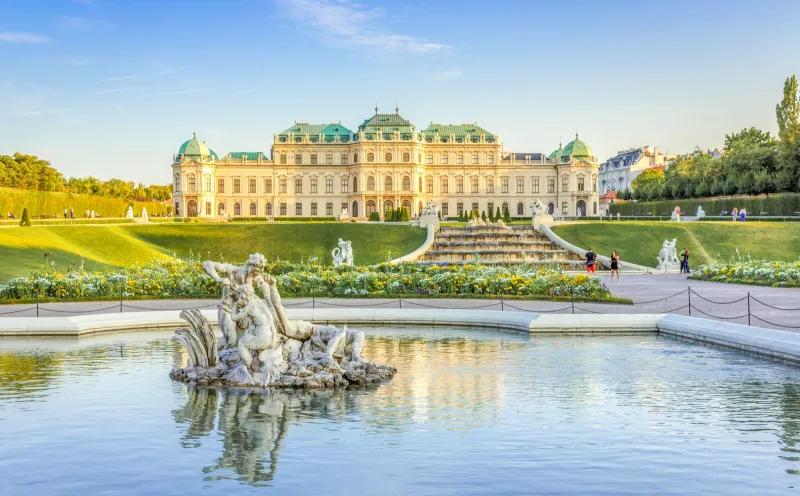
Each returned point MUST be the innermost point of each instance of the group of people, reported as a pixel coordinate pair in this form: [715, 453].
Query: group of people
[591, 263]
[738, 215]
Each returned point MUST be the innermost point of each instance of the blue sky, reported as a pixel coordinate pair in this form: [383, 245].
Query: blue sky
[112, 88]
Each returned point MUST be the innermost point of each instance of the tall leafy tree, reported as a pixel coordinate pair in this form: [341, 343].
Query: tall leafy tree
[748, 139]
[788, 113]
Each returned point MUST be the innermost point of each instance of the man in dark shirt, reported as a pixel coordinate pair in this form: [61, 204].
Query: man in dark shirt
[590, 260]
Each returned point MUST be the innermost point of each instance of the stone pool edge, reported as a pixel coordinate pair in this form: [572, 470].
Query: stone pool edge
[782, 345]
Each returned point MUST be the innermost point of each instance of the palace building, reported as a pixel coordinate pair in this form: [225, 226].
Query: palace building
[322, 170]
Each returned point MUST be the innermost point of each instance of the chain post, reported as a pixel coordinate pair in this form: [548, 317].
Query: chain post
[400, 300]
[690, 300]
[502, 302]
[37, 304]
[313, 298]
[120, 298]
[748, 308]
[572, 294]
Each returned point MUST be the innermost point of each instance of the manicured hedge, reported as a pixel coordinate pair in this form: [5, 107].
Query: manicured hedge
[50, 203]
[777, 205]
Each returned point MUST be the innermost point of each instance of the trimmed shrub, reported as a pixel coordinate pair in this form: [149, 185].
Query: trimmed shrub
[26, 219]
[374, 217]
[776, 204]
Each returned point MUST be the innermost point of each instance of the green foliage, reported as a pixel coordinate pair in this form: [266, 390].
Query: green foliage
[374, 217]
[483, 216]
[388, 216]
[52, 204]
[26, 219]
[406, 217]
[788, 113]
[747, 271]
[748, 139]
[491, 216]
[777, 204]
[506, 215]
[497, 215]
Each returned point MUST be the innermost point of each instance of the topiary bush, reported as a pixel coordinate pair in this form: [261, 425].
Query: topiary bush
[374, 217]
[26, 219]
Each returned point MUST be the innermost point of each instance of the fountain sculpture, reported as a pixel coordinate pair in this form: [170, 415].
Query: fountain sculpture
[261, 347]
[667, 257]
[129, 213]
[343, 255]
[144, 215]
[700, 212]
[676, 214]
[540, 215]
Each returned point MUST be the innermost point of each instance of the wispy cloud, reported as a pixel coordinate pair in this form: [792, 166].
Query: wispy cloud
[128, 77]
[22, 38]
[350, 23]
[446, 75]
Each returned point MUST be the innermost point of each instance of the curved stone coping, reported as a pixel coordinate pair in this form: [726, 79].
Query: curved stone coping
[606, 261]
[417, 254]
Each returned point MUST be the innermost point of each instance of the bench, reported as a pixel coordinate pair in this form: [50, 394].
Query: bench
[763, 214]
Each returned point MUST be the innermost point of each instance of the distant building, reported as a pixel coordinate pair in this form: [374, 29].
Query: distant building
[618, 172]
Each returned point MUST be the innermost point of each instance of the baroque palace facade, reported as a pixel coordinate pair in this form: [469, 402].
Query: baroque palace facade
[322, 170]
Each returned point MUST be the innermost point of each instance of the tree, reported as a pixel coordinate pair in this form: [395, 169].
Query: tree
[506, 215]
[483, 215]
[788, 113]
[388, 216]
[748, 139]
[374, 217]
[497, 215]
[405, 216]
[26, 219]
[491, 215]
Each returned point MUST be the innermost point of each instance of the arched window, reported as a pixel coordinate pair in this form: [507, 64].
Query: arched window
[420, 184]
[407, 205]
[419, 158]
[192, 182]
[581, 208]
[387, 183]
[505, 207]
[177, 182]
[370, 207]
[191, 207]
[594, 183]
[237, 209]
[406, 183]
[269, 210]
[520, 209]
[253, 209]
[551, 208]
[370, 183]
[370, 157]
[406, 157]
[355, 185]
[387, 157]
[208, 208]
[221, 209]
[387, 205]
[355, 208]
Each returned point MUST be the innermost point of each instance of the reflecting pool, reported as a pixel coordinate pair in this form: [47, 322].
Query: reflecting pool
[469, 412]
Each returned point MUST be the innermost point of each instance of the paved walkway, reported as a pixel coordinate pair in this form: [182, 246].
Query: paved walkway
[664, 293]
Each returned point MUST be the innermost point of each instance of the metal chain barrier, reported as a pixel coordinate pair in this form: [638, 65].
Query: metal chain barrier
[356, 305]
[538, 311]
[773, 323]
[776, 308]
[660, 299]
[31, 308]
[116, 305]
[717, 302]
[410, 302]
[717, 316]
[128, 305]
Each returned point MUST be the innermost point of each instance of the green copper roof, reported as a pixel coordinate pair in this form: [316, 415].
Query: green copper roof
[556, 154]
[196, 148]
[314, 131]
[576, 149]
[461, 133]
[246, 155]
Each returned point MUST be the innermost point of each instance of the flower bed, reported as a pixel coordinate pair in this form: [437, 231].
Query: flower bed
[779, 274]
[177, 278]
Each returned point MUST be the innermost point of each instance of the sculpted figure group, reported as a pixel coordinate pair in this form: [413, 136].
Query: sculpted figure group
[261, 346]
[343, 254]
[668, 257]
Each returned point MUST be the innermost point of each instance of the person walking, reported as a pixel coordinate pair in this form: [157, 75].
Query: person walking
[72, 214]
[743, 214]
[65, 214]
[685, 261]
[590, 261]
[735, 214]
[614, 264]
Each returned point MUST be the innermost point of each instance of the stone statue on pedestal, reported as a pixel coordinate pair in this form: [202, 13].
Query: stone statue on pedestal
[667, 257]
[343, 255]
[129, 213]
[700, 212]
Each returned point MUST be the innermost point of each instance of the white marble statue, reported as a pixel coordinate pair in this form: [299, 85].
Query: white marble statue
[344, 216]
[144, 215]
[261, 346]
[668, 257]
[129, 213]
[343, 254]
[429, 215]
[700, 212]
[676, 214]
[431, 209]
[540, 215]
[477, 222]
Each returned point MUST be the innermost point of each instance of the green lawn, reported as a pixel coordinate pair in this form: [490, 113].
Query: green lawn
[640, 242]
[100, 247]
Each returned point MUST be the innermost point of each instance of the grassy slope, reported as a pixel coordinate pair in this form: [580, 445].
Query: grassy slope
[640, 242]
[22, 249]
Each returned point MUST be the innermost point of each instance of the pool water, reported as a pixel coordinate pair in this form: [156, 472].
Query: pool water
[469, 412]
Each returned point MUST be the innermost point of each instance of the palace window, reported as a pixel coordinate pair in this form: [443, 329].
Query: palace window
[298, 158]
[429, 184]
[594, 184]
[298, 208]
[237, 188]
[208, 208]
[406, 157]
[313, 209]
[520, 209]
[406, 183]
[251, 185]
[283, 158]
[345, 184]
[429, 158]
[329, 185]
[580, 184]
[207, 185]
[564, 208]
[490, 185]
[313, 159]
[329, 158]
[298, 185]
[220, 185]
[444, 209]
[490, 158]
[370, 207]
[551, 185]
[387, 183]
[283, 185]
[444, 185]
[370, 157]
[329, 208]
[355, 185]
[459, 159]
[505, 207]
[475, 208]
[268, 185]
[355, 158]
[504, 185]
[459, 208]
[344, 159]
[283, 208]
[459, 185]
[253, 209]
[490, 208]
[474, 159]
[344, 207]
[313, 184]
[221, 209]
[445, 158]
[419, 158]
[594, 208]
[370, 183]
[387, 157]
[269, 210]
[564, 182]
[535, 185]
[520, 185]
[237, 209]
[474, 184]
[192, 183]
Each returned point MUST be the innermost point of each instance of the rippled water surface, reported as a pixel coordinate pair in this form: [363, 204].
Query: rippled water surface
[470, 412]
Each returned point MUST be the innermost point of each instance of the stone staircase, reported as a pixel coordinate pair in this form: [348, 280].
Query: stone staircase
[498, 245]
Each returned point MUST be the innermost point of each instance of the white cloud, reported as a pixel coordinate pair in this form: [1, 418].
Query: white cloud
[23, 38]
[128, 77]
[445, 75]
[350, 23]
